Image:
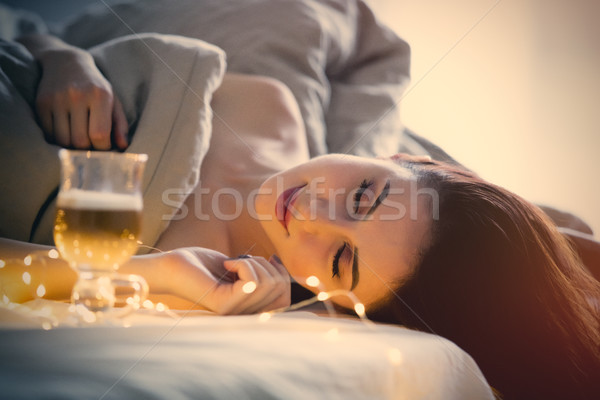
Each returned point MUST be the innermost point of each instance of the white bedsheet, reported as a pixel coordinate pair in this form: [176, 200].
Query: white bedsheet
[291, 356]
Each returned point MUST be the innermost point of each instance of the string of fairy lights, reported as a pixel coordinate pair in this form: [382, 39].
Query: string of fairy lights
[25, 285]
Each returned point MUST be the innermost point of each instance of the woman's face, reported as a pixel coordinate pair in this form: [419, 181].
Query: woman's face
[355, 223]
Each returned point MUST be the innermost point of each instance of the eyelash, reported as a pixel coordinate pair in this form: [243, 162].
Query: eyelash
[365, 184]
[335, 269]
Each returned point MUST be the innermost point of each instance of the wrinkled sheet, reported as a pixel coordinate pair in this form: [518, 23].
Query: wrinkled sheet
[290, 356]
[346, 70]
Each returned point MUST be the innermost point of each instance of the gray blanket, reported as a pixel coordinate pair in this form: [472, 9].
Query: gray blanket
[346, 70]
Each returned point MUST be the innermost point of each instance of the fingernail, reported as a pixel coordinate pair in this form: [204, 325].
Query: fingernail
[240, 257]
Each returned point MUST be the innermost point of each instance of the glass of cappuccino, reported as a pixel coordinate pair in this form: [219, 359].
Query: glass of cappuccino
[98, 222]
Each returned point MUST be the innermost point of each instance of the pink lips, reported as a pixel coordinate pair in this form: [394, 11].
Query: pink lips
[284, 202]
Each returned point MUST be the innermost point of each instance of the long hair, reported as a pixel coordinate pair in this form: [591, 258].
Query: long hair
[500, 281]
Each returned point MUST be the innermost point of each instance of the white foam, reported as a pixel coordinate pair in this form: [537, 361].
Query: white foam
[90, 200]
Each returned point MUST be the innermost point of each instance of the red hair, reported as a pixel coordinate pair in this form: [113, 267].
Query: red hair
[499, 280]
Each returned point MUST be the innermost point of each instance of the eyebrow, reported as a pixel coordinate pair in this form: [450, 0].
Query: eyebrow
[384, 193]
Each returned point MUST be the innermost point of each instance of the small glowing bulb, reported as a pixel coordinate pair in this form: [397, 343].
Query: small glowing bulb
[313, 281]
[46, 326]
[249, 287]
[27, 260]
[26, 277]
[264, 317]
[2, 263]
[41, 291]
[148, 304]
[332, 334]
[395, 356]
[160, 307]
[89, 317]
[53, 254]
[360, 309]
[322, 296]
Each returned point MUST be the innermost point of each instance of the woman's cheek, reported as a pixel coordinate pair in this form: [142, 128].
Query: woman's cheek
[304, 266]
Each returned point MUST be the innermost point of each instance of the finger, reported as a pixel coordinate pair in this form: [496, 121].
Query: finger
[79, 127]
[120, 127]
[255, 281]
[45, 118]
[273, 290]
[266, 272]
[269, 286]
[242, 268]
[276, 297]
[276, 262]
[277, 274]
[62, 135]
[100, 122]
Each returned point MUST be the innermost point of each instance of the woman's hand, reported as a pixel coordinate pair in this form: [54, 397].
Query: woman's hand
[229, 286]
[76, 105]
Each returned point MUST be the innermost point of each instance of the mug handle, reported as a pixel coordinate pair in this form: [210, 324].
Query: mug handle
[134, 301]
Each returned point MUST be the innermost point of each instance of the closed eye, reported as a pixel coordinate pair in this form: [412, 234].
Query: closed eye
[335, 268]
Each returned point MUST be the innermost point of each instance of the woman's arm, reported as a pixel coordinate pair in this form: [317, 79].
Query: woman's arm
[201, 276]
[26, 266]
[75, 103]
[227, 286]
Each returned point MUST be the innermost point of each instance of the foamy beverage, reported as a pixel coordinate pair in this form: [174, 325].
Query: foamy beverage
[97, 230]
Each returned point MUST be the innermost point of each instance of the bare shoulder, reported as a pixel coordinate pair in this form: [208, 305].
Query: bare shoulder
[258, 118]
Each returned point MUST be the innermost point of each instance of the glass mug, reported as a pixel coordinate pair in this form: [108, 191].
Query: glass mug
[97, 225]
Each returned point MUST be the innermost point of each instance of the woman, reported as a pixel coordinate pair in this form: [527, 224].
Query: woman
[419, 242]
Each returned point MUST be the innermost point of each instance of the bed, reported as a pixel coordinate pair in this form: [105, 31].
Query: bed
[184, 355]
[347, 72]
